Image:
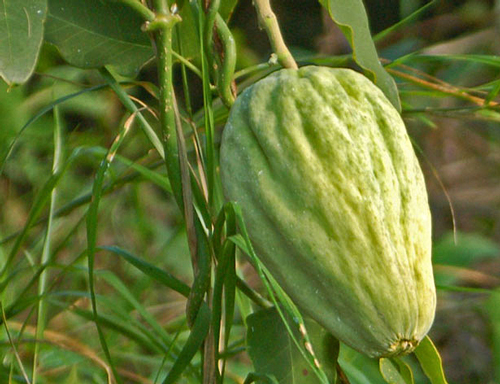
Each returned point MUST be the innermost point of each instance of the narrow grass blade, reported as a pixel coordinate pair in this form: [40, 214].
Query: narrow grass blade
[198, 333]
[92, 233]
[154, 177]
[146, 341]
[129, 297]
[46, 252]
[242, 240]
[42, 112]
[11, 341]
[132, 108]
[413, 16]
[150, 270]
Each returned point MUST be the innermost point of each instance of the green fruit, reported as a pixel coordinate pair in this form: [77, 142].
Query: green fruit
[335, 204]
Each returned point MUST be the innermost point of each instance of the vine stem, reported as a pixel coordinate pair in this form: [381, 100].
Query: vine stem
[269, 22]
[177, 164]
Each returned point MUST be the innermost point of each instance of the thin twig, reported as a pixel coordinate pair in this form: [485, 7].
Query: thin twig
[441, 87]
[269, 22]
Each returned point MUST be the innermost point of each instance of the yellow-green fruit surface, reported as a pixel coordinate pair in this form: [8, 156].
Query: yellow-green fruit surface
[335, 204]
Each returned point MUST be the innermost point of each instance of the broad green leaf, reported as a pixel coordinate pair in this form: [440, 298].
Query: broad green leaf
[21, 31]
[95, 33]
[390, 372]
[351, 17]
[430, 361]
[274, 354]
[359, 368]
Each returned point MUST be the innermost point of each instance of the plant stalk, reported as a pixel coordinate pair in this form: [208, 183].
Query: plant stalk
[269, 22]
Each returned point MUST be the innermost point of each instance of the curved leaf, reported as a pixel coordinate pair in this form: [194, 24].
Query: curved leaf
[350, 16]
[430, 361]
[390, 372]
[21, 31]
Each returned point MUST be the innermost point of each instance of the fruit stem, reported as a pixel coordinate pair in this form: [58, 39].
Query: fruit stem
[269, 22]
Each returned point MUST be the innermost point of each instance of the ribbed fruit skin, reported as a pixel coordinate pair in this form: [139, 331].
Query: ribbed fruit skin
[335, 204]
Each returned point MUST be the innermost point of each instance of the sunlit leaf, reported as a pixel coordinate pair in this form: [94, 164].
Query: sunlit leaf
[430, 361]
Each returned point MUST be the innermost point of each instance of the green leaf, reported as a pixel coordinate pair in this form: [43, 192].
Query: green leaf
[360, 369]
[92, 224]
[390, 372]
[151, 270]
[430, 361]
[404, 370]
[130, 298]
[490, 60]
[95, 33]
[193, 343]
[350, 16]
[21, 31]
[274, 354]
[154, 177]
